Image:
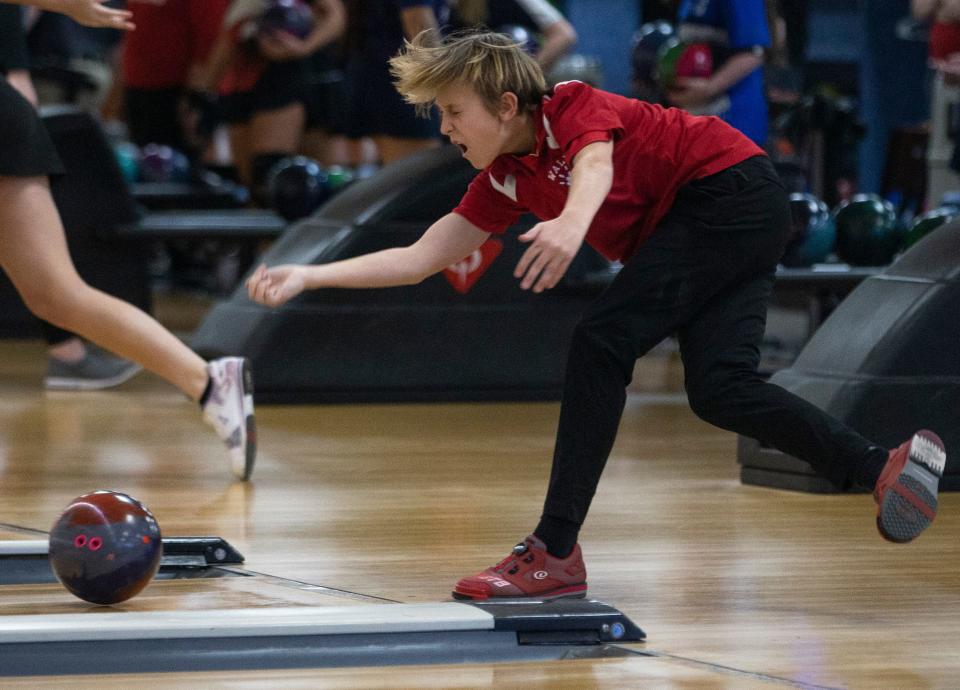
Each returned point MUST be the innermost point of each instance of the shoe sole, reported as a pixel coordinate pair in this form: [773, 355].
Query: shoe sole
[910, 504]
[62, 383]
[573, 592]
[250, 456]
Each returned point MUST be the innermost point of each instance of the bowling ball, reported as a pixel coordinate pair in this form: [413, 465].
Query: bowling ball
[297, 186]
[338, 177]
[521, 36]
[157, 163]
[105, 547]
[812, 232]
[646, 46]
[677, 59]
[290, 16]
[867, 231]
[926, 223]
[181, 168]
[128, 158]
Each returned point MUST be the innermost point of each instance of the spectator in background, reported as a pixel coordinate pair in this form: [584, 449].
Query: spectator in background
[161, 67]
[539, 17]
[943, 152]
[377, 31]
[262, 79]
[71, 363]
[738, 34]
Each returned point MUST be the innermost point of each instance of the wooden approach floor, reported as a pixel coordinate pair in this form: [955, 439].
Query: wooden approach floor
[736, 586]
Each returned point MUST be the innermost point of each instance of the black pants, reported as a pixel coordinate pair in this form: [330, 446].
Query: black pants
[705, 275]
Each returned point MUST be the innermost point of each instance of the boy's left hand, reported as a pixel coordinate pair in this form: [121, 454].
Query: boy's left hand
[554, 243]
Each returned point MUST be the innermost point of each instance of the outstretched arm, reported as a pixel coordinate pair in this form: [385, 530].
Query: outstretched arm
[86, 12]
[445, 242]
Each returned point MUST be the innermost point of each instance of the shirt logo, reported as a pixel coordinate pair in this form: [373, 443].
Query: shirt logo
[559, 172]
[508, 188]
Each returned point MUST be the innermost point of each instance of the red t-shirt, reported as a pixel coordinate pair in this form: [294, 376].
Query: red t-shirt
[656, 150]
[171, 36]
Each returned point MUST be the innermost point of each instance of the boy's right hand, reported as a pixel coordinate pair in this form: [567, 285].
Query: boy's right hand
[274, 286]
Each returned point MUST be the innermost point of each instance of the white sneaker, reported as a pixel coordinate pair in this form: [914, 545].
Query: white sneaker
[229, 410]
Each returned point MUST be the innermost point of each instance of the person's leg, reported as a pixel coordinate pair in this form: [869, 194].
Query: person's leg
[277, 130]
[33, 252]
[645, 303]
[239, 135]
[720, 352]
[73, 364]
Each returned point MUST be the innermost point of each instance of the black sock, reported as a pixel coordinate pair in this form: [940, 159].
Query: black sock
[206, 393]
[867, 470]
[559, 535]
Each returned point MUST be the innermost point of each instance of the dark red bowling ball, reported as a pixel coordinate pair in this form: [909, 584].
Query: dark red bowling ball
[105, 547]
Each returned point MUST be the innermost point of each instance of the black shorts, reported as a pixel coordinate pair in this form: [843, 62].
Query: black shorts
[153, 116]
[26, 149]
[327, 100]
[280, 85]
[377, 108]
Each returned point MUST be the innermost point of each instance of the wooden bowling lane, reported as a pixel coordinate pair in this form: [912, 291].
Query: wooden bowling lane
[735, 586]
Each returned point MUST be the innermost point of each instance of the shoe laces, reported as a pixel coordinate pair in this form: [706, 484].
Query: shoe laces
[510, 563]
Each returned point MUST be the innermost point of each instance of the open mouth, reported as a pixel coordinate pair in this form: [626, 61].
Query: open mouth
[463, 149]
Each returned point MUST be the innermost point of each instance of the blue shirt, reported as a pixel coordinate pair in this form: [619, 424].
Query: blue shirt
[733, 26]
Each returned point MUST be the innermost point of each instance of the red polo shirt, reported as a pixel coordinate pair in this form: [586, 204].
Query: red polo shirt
[656, 151]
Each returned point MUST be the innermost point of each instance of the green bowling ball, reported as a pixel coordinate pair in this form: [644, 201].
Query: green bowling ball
[868, 233]
[926, 223]
[338, 177]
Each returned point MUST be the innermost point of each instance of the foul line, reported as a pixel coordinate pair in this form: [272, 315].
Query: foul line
[720, 668]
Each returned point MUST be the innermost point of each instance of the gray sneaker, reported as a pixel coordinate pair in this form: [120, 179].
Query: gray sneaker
[229, 410]
[97, 370]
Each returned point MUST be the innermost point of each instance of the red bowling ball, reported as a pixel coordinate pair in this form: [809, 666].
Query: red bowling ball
[105, 547]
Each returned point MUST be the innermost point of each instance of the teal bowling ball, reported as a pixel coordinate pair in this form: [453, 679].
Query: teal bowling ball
[128, 159]
[927, 222]
[813, 233]
[868, 233]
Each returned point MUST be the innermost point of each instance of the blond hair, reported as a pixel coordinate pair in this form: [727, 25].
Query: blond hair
[491, 63]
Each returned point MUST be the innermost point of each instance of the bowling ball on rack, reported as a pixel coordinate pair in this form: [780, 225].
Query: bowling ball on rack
[105, 547]
[868, 233]
[646, 47]
[297, 187]
[162, 163]
[338, 177]
[128, 158]
[927, 222]
[678, 59]
[812, 232]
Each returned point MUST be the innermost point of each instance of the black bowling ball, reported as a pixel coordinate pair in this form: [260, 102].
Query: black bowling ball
[298, 186]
